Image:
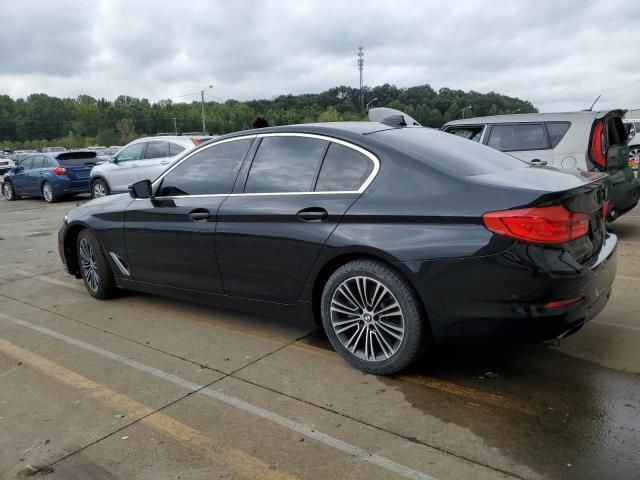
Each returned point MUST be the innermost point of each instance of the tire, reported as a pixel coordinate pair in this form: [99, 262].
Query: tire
[94, 266]
[388, 351]
[48, 194]
[99, 188]
[8, 191]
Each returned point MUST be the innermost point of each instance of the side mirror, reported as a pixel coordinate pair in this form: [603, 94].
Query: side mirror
[114, 159]
[141, 189]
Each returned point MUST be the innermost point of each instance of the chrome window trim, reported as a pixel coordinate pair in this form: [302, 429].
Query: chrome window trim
[363, 187]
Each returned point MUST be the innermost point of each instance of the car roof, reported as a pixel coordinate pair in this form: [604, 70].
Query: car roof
[184, 140]
[536, 117]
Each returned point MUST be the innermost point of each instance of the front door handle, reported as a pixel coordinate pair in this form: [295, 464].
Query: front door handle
[199, 215]
[537, 161]
[164, 162]
[312, 214]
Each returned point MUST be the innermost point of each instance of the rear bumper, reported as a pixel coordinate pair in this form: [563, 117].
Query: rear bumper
[65, 186]
[504, 295]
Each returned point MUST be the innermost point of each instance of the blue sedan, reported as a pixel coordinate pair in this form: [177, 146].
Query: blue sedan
[50, 175]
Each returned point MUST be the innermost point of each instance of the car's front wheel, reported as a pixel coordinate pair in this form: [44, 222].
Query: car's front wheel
[48, 194]
[8, 191]
[373, 317]
[94, 266]
[99, 188]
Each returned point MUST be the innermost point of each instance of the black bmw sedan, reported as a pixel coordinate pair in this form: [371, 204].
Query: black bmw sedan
[391, 237]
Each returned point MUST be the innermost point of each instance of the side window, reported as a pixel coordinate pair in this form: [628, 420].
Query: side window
[556, 131]
[38, 160]
[134, 152]
[48, 163]
[470, 133]
[285, 164]
[175, 149]
[524, 136]
[343, 170]
[156, 150]
[27, 162]
[210, 171]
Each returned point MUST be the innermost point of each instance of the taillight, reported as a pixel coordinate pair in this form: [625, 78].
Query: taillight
[546, 225]
[196, 141]
[59, 170]
[598, 144]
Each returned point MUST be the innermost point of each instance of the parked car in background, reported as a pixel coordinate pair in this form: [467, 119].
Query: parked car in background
[588, 141]
[145, 158]
[52, 149]
[392, 237]
[6, 164]
[50, 175]
[633, 127]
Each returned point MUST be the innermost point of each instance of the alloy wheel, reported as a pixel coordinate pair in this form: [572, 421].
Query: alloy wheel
[7, 190]
[634, 155]
[88, 265]
[367, 318]
[99, 190]
[47, 192]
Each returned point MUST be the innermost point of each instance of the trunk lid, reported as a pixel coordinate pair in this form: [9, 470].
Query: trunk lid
[78, 165]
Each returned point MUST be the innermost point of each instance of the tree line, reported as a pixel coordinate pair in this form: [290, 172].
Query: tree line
[42, 120]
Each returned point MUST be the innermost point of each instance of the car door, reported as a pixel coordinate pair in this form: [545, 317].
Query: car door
[20, 177]
[526, 141]
[34, 175]
[271, 230]
[155, 161]
[170, 238]
[124, 169]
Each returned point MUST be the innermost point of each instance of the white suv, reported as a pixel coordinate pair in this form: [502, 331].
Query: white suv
[142, 159]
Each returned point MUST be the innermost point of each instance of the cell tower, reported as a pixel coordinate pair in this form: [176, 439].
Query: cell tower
[361, 68]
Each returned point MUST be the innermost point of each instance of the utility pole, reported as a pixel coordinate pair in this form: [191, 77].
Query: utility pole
[175, 125]
[464, 110]
[361, 68]
[204, 127]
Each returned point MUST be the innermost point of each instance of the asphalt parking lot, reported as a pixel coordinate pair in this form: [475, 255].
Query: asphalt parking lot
[152, 388]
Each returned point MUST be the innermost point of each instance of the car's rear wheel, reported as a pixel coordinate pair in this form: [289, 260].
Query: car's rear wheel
[373, 317]
[48, 193]
[9, 192]
[99, 188]
[94, 266]
[634, 156]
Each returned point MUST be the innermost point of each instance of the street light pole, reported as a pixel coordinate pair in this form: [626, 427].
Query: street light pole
[369, 103]
[175, 125]
[465, 109]
[204, 128]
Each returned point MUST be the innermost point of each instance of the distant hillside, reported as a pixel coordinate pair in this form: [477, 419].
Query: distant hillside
[41, 120]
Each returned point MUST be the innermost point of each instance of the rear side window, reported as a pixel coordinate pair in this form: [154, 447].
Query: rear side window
[48, 163]
[557, 131]
[343, 170]
[470, 132]
[27, 162]
[156, 150]
[210, 171]
[523, 136]
[37, 162]
[175, 149]
[285, 164]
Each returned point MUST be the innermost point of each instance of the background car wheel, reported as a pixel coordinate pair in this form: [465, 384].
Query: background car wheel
[48, 194]
[95, 268]
[8, 191]
[373, 318]
[99, 188]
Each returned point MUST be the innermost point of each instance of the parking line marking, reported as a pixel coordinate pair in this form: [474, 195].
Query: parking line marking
[632, 279]
[245, 464]
[53, 281]
[446, 387]
[619, 325]
[292, 425]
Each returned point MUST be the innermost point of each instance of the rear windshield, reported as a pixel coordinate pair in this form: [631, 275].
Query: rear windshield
[77, 158]
[455, 156]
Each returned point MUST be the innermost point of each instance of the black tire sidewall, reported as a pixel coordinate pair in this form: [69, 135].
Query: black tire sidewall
[53, 195]
[417, 333]
[104, 184]
[13, 191]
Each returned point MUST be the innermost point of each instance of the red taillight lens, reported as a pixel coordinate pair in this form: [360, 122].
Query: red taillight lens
[598, 145]
[562, 303]
[59, 170]
[546, 225]
[196, 141]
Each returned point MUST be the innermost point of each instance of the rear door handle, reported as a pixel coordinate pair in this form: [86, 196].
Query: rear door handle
[537, 161]
[164, 162]
[312, 214]
[199, 215]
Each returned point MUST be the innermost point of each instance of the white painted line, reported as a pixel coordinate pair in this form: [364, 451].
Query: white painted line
[53, 281]
[619, 325]
[632, 279]
[303, 429]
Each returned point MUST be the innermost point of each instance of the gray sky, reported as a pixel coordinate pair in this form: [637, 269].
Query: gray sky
[558, 54]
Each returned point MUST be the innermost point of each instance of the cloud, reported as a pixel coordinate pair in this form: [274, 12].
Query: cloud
[559, 55]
